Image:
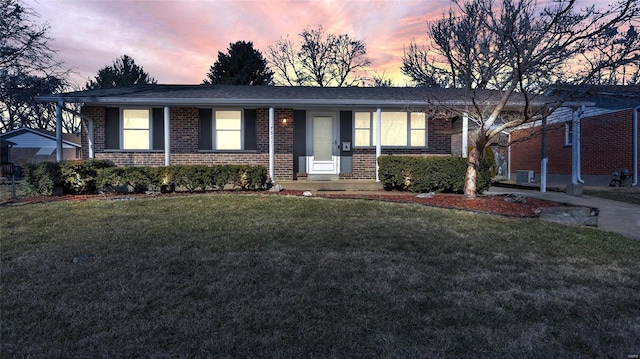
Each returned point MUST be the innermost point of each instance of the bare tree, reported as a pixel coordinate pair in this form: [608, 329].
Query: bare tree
[28, 68]
[520, 51]
[321, 60]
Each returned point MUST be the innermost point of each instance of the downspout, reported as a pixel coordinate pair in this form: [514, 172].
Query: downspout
[272, 145]
[167, 137]
[635, 146]
[465, 135]
[378, 141]
[59, 106]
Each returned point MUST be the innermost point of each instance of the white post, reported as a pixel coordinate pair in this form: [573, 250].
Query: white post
[167, 137]
[465, 135]
[509, 158]
[634, 155]
[272, 144]
[378, 140]
[90, 137]
[59, 156]
[575, 149]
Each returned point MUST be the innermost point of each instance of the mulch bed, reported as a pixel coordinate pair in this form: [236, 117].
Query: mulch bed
[493, 204]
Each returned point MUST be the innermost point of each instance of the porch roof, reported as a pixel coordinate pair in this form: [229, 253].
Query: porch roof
[288, 97]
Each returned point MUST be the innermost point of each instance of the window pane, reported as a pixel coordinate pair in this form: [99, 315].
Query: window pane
[394, 129]
[228, 124]
[417, 137]
[135, 119]
[135, 139]
[363, 119]
[228, 130]
[228, 140]
[362, 138]
[417, 120]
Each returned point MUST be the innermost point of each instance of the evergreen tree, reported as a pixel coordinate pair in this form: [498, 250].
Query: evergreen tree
[242, 65]
[123, 72]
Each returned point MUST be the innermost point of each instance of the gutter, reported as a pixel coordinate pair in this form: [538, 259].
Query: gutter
[635, 146]
[265, 102]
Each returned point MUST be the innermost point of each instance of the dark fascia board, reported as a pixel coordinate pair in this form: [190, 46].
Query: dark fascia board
[285, 97]
[278, 103]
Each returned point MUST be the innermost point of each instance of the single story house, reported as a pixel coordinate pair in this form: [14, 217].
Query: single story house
[34, 146]
[296, 132]
[584, 145]
[6, 166]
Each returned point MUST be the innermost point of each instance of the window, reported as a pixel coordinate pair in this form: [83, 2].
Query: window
[136, 129]
[227, 130]
[363, 129]
[227, 127]
[568, 134]
[398, 129]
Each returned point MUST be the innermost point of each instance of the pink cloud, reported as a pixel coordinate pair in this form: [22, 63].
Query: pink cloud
[176, 41]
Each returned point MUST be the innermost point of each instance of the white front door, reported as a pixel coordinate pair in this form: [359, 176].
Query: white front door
[324, 156]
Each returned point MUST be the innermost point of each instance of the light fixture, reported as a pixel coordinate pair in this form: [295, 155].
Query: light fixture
[284, 120]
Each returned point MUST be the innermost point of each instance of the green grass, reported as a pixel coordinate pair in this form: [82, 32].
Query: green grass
[622, 194]
[273, 276]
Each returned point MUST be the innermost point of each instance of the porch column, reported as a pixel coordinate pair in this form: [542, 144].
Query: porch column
[90, 137]
[465, 135]
[575, 148]
[378, 141]
[543, 155]
[167, 137]
[59, 131]
[272, 144]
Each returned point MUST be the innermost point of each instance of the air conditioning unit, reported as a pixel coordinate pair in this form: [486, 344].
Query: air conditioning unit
[524, 176]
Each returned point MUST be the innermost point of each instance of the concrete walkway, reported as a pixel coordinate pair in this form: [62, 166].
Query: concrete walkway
[618, 217]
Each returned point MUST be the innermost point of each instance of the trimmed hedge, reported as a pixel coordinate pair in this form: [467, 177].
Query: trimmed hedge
[190, 177]
[88, 176]
[81, 176]
[43, 178]
[429, 174]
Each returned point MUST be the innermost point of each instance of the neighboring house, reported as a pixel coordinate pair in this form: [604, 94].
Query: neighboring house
[605, 134]
[6, 166]
[296, 132]
[34, 146]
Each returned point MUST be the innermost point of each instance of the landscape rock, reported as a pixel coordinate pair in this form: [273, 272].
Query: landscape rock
[276, 188]
[516, 198]
[426, 195]
[583, 216]
[307, 194]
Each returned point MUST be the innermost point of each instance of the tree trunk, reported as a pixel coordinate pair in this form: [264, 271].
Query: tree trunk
[471, 177]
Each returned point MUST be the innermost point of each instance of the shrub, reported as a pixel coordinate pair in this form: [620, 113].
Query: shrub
[137, 179]
[428, 174]
[191, 177]
[80, 176]
[43, 178]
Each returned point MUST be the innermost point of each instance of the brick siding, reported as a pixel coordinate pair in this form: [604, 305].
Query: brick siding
[606, 144]
[184, 144]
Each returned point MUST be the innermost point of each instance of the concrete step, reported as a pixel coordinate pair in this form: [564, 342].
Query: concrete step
[340, 185]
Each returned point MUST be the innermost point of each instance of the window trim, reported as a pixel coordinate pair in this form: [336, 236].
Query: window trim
[121, 129]
[213, 130]
[372, 135]
[568, 134]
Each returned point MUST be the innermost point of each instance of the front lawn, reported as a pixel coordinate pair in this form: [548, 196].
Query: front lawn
[274, 276]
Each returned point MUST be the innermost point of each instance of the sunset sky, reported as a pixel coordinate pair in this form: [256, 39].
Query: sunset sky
[177, 40]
